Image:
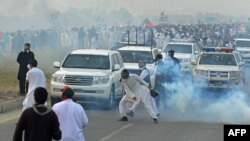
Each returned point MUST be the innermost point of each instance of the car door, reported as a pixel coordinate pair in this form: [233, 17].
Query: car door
[117, 75]
[196, 51]
[239, 61]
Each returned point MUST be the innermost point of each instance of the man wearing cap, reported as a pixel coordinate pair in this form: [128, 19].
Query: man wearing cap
[36, 78]
[71, 115]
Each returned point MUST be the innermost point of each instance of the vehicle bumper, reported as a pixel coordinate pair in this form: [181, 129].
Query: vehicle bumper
[218, 84]
[83, 94]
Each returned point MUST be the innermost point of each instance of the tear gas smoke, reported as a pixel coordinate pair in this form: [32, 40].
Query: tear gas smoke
[189, 104]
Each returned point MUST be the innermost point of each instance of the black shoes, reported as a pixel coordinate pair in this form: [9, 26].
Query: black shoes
[130, 113]
[155, 120]
[126, 119]
[123, 119]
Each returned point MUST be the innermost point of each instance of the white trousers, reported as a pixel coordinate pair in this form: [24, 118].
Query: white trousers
[143, 96]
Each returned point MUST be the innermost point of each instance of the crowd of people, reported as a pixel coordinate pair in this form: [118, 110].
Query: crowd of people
[107, 37]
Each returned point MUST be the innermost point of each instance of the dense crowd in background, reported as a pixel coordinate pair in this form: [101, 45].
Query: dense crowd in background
[107, 37]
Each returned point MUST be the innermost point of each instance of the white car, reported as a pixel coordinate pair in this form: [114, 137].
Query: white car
[242, 45]
[218, 69]
[132, 54]
[93, 75]
[184, 51]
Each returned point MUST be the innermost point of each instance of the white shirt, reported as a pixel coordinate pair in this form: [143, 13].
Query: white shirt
[144, 74]
[36, 78]
[132, 85]
[72, 119]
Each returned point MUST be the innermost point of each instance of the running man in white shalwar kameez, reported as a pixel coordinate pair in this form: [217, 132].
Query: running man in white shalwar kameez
[36, 78]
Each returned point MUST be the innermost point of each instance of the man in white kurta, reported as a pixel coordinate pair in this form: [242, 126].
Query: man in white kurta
[136, 91]
[145, 75]
[71, 116]
[36, 78]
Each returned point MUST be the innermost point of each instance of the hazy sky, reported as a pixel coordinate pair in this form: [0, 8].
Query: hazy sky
[138, 7]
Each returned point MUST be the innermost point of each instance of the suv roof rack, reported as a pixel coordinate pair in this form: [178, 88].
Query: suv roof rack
[183, 40]
[135, 43]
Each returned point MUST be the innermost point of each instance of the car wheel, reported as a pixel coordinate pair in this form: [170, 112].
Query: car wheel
[110, 103]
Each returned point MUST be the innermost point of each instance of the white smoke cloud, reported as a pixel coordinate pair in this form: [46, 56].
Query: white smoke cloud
[27, 7]
[17, 8]
[188, 104]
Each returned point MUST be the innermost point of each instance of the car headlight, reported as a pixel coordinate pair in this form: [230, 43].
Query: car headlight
[202, 72]
[58, 78]
[101, 79]
[235, 74]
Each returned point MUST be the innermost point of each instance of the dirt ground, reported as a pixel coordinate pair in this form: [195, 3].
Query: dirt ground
[4, 97]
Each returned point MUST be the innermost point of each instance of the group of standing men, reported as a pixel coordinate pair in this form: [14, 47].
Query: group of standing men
[65, 121]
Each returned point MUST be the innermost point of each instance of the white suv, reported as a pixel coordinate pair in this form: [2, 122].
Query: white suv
[216, 69]
[93, 75]
[184, 51]
[132, 54]
[242, 45]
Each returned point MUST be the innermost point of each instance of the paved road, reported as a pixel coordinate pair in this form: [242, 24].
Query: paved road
[188, 119]
[104, 126]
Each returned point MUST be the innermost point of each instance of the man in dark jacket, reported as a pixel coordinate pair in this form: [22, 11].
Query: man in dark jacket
[39, 123]
[23, 59]
[173, 67]
[160, 79]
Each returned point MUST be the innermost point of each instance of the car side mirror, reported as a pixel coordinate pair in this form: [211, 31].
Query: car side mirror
[241, 64]
[117, 67]
[56, 64]
[196, 52]
[193, 61]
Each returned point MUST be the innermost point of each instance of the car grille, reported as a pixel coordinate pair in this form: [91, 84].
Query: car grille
[219, 74]
[78, 80]
[135, 71]
[218, 83]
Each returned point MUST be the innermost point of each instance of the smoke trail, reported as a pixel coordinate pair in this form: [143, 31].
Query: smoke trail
[188, 104]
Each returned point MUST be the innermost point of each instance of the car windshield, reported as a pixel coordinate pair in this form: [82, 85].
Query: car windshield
[218, 59]
[243, 43]
[179, 48]
[86, 61]
[131, 56]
